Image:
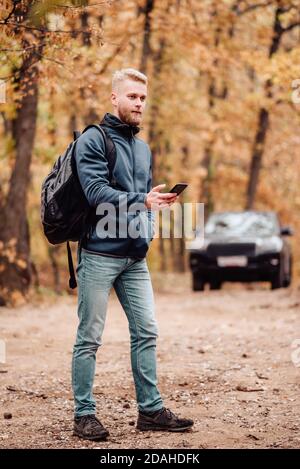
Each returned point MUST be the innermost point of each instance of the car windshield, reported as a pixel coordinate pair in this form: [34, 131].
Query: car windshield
[243, 223]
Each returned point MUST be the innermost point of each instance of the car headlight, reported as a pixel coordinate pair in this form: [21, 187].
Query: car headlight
[198, 243]
[272, 244]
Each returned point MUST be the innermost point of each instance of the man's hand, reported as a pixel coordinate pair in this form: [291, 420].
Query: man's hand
[157, 201]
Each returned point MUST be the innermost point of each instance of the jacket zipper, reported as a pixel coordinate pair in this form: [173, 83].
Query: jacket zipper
[131, 142]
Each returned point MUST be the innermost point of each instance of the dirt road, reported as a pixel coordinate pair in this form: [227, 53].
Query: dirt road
[224, 358]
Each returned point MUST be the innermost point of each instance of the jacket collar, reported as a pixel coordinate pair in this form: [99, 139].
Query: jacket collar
[113, 121]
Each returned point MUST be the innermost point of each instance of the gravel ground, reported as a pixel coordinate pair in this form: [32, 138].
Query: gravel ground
[225, 359]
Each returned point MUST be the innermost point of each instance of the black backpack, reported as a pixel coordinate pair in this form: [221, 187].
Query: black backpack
[65, 212]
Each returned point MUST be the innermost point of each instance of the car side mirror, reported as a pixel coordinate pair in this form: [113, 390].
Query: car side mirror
[286, 231]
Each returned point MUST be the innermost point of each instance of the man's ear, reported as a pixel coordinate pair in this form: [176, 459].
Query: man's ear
[114, 98]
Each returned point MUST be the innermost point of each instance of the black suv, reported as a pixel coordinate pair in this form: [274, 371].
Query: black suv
[245, 246]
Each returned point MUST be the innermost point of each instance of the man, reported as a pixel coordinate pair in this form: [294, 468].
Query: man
[117, 261]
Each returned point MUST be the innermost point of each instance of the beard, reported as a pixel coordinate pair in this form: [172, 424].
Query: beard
[130, 117]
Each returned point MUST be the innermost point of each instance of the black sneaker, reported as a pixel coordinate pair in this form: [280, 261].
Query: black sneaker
[89, 427]
[163, 420]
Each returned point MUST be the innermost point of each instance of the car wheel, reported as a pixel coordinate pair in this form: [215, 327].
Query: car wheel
[278, 279]
[216, 285]
[198, 283]
[288, 275]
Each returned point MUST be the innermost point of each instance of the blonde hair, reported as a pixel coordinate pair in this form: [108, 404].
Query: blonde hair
[128, 73]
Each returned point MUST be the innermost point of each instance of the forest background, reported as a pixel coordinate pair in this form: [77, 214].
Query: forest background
[223, 112]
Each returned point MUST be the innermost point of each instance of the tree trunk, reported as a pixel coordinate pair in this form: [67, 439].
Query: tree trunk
[73, 123]
[180, 252]
[206, 192]
[86, 34]
[182, 256]
[263, 120]
[90, 116]
[154, 140]
[16, 266]
[146, 49]
[178, 249]
[213, 95]
[154, 132]
[257, 155]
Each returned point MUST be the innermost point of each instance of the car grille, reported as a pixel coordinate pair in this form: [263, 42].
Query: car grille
[231, 249]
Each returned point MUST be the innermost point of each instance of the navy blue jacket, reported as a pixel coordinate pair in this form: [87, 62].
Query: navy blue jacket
[132, 177]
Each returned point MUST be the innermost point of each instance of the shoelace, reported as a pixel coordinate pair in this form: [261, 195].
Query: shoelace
[94, 421]
[169, 413]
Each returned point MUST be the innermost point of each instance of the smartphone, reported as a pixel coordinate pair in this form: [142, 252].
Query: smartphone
[178, 188]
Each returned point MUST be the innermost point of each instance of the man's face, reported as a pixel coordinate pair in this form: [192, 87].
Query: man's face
[129, 101]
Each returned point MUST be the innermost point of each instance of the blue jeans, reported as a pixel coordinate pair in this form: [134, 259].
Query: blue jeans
[97, 274]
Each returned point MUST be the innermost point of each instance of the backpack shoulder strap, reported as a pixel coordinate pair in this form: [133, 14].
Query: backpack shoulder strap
[76, 134]
[110, 149]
